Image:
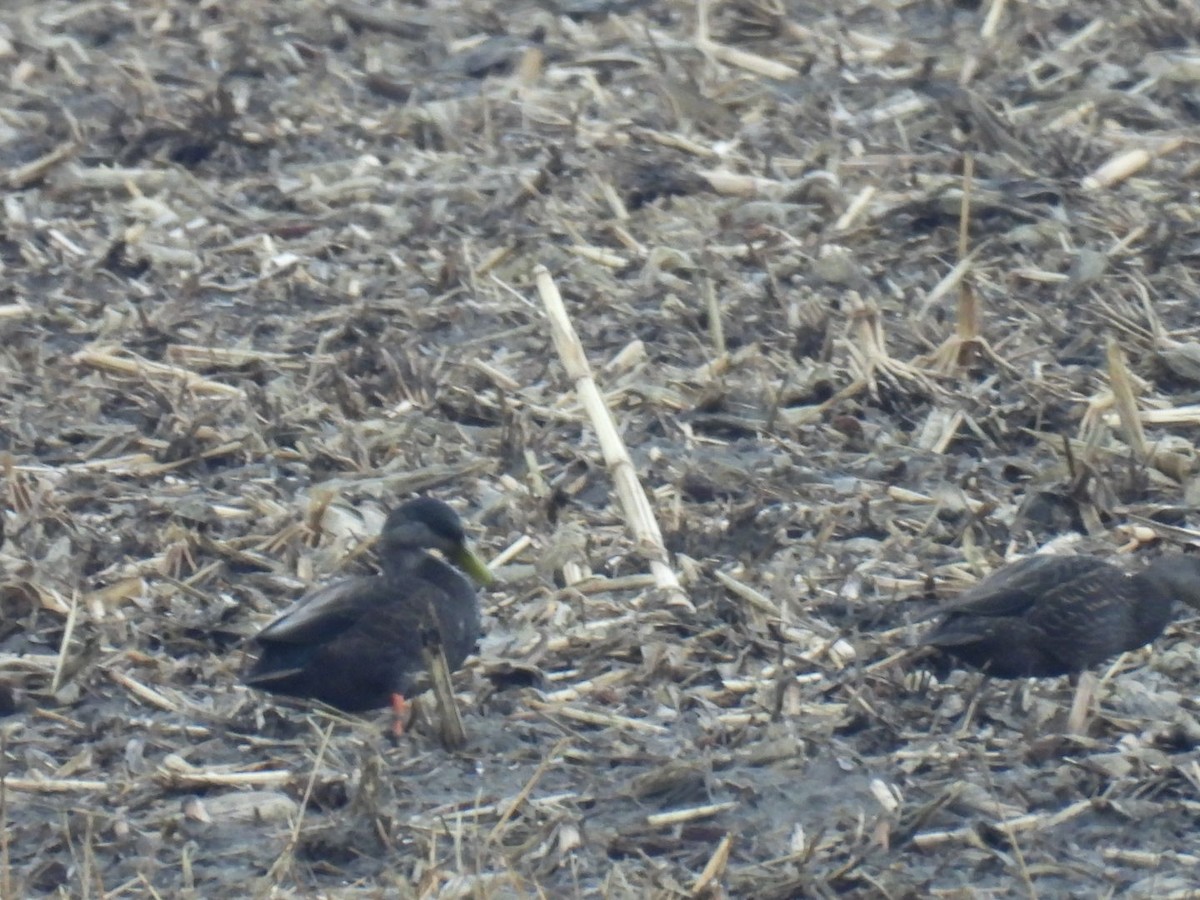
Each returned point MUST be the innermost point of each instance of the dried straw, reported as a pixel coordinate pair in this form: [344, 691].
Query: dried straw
[639, 515]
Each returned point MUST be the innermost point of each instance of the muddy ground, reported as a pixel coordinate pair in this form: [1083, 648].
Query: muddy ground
[268, 267]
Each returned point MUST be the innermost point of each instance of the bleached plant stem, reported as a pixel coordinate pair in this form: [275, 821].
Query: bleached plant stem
[638, 513]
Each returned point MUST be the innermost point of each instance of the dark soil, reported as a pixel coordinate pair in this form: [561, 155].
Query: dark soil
[267, 268]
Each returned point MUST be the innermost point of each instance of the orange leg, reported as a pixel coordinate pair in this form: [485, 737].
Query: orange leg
[402, 711]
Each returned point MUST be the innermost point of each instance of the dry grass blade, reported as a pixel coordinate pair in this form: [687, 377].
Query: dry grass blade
[55, 785]
[1122, 388]
[142, 692]
[380, 20]
[714, 868]
[64, 648]
[991, 22]
[733, 56]
[962, 349]
[511, 808]
[715, 326]
[754, 598]
[232, 358]
[176, 772]
[14, 311]
[868, 350]
[450, 725]
[855, 209]
[1128, 164]
[591, 717]
[130, 364]
[22, 176]
[1148, 859]
[691, 814]
[287, 856]
[638, 512]
[1174, 465]
[950, 283]
[1081, 704]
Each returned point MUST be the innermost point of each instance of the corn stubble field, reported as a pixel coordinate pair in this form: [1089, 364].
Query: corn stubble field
[876, 294]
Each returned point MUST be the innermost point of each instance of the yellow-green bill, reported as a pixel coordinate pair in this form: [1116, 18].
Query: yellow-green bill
[473, 566]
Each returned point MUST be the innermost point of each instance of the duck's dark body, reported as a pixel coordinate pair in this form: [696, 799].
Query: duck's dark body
[357, 643]
[1057, 615]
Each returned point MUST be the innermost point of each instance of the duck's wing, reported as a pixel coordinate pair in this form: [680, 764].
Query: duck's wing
[1014, 589]
[327, 612]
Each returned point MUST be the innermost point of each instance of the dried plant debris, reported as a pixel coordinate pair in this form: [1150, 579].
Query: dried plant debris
[855, 306]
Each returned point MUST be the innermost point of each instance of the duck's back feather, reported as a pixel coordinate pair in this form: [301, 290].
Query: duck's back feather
[355, 643]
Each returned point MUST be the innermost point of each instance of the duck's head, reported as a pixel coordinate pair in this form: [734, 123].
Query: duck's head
[428, 524]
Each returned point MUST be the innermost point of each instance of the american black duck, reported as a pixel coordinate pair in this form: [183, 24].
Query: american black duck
[356, 645]
[1058, 615]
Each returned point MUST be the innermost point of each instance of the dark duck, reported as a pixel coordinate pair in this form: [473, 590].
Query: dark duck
[356, 644]
[1060, 615]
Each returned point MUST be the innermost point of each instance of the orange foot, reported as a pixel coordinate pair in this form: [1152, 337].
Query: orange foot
[402, 711]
